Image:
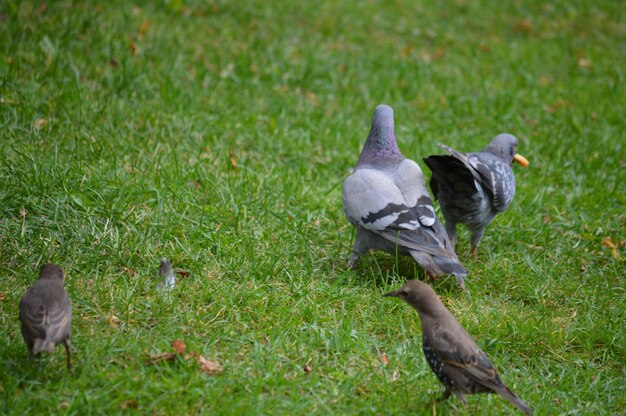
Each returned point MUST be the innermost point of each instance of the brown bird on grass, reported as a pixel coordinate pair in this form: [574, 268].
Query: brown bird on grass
[461, 366]
[46, 313]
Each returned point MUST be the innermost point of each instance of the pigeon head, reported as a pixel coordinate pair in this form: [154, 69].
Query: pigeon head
[419, 295]
[505, 147]
[381, 142]
[51, 271]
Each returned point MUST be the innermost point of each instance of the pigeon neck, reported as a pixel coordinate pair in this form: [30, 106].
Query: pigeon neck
[380, 145]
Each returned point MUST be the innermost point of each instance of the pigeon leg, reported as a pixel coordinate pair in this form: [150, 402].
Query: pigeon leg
[354, 260]
[475, 241]
[69, 354]
[461, 397]
[451, 231]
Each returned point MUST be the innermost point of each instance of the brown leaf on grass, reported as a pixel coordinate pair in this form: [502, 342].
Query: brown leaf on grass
[113, 321]
[42, 8]
[178, 346]
[182, 273]
[307, 367]
[547, 219]
[362, 390]
[40, 123]
[434, 56]
[164, 356]
[582, 62]
[23, 213]
[2, 297]
[233, 160]
[557, 104]
[133, 47]
[208, 366]
[145, 25]
[608, 242]
[384, 359]
[395, 376]
[312, 98]
[130, 404]
[524, 26]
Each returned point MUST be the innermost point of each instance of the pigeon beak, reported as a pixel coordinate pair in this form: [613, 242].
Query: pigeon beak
[520, 159]
[391, 294]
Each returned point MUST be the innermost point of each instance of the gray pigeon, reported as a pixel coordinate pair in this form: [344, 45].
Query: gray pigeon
[386, 199]
[46, 313]
[166, 272]
[460, 365]
[473, 188]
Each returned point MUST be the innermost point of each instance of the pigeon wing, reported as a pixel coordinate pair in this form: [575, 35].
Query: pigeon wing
[373, 200]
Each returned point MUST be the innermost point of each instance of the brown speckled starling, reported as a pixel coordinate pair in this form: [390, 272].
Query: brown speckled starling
[461, 366]
[46, 313]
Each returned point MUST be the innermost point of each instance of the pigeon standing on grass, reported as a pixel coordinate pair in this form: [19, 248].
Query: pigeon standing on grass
[46, 313]
[473, 188]
[166, 273]
[461, 366]
[386, 199]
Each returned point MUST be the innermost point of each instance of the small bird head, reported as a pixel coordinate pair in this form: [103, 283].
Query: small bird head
[505, 146]
[381, 141]
[417, 294]
[51, 271]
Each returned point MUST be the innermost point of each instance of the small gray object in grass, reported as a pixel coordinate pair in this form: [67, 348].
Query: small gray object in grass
[166, 273]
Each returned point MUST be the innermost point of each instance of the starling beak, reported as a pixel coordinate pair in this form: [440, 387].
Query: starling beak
[386, 199]
[473, 188]
[460, 365]
[46, 313]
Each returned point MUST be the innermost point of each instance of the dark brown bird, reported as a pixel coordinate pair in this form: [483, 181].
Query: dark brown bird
[461, 366]
[46, 313]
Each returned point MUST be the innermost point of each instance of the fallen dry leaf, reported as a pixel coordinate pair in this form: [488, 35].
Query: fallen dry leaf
[608, 242]
[182, 273]
[384, 359]
[113, 321]
[129, 271]
[145, 25]
[40, 123]
[233, 161]
[178, 346]
[133, 47]
[557, 104]
[307, 367]
[130, 404]
[582, 62]
[523, 26]
[208, 366]
[164, 356]
[395, 376]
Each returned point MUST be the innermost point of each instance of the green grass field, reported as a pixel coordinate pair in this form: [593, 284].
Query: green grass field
[218, 134]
